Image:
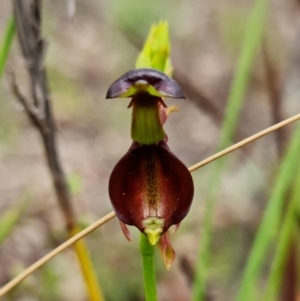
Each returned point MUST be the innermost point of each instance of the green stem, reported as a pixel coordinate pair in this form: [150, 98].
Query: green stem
[271, 220]
[284, 242]
[147, 251]
[7, 41]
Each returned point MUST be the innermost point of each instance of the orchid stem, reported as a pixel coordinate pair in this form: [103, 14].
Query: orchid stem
[147, 251]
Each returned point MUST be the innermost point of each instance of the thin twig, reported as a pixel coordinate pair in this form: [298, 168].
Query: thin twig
[28, 15]
[28, 23]
[32, 111]
[10, 285]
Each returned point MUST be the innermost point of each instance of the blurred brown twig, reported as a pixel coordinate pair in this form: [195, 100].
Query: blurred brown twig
[274, 91]
[27, 16]
[28, 21]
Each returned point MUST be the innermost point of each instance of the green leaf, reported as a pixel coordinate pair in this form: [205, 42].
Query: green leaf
[290, 223]
[270, 222]
[7, 42]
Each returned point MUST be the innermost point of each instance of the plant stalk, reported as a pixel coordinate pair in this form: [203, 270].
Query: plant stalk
[147, 251]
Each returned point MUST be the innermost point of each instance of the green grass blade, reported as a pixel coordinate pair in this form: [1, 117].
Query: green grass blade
[271, 219]
[8, 222]
[49, 283]
[5, 48]
[250, 45]
[253, 36]
[10, 218]
[276, 275]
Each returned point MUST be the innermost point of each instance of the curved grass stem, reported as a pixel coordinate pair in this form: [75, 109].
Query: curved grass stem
[147, 251]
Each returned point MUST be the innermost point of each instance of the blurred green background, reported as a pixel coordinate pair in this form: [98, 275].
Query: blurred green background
[86, 52]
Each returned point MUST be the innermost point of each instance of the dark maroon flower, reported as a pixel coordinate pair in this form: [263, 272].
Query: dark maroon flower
[151, 189]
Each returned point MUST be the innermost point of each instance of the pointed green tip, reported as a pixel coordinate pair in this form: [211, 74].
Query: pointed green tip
[156, 50]
[153, 235]
[153, 228]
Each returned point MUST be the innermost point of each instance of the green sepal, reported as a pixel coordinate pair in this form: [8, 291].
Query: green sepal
[153, 235]
[156, 50]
